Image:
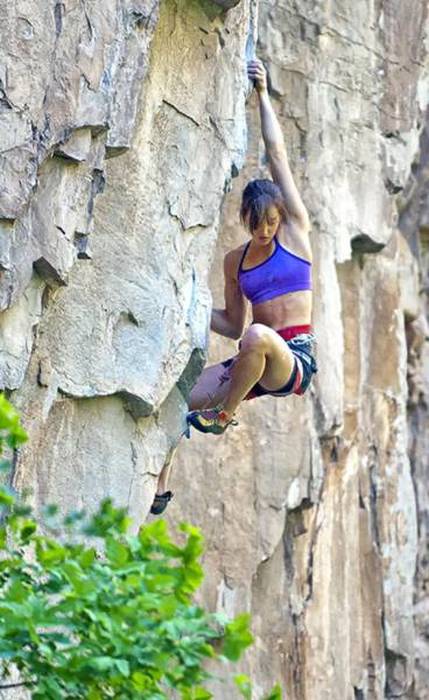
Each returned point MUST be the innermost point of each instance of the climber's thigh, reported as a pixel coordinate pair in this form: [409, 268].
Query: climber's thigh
[211, 387]
[279, 360]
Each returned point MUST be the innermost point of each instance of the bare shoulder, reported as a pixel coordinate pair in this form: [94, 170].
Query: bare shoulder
[296, 238]
[232, 261]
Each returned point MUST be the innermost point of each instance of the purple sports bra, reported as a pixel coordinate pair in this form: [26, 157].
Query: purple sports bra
[279, 274]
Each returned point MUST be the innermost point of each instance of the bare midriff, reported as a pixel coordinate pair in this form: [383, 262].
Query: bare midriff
[292, 309]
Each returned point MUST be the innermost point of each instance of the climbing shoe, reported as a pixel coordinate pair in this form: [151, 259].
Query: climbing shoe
[210, 420]
[160, 502]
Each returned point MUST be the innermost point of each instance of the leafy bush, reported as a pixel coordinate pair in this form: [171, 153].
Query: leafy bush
[78, 624]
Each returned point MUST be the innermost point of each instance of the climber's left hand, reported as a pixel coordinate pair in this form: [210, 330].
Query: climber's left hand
[257, 73]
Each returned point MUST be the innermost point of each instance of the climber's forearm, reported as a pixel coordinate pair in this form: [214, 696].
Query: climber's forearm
[220, 323]
[270, 127]
[279, 162]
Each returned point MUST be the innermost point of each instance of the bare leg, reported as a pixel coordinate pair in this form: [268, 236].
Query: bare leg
[211, 388]
[165, 473]
[264, 357]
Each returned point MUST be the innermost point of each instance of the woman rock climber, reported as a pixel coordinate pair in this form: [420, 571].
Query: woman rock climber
[273, 272]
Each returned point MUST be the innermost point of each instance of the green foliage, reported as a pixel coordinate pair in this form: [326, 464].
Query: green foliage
[11, 431]
[110, 619]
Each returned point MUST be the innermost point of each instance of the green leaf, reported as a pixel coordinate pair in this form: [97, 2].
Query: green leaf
[140, 681]
[117, 552]
[243, 684]
[49, 552]
[11, 431]
[7, 498]
[28, 528]
[276, 693]
[123, 667]
[74, 517]
[17, 437]
[87, 557]
[197, 693]
[194, 546]
[108, 519]
[102, 663]
[237, 637]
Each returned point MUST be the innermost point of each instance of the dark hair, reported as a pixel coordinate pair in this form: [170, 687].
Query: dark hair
[258, 195]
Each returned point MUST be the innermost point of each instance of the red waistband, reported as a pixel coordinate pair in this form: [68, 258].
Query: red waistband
[291, 331]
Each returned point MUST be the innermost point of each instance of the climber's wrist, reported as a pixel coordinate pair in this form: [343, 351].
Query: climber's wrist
[263, 93]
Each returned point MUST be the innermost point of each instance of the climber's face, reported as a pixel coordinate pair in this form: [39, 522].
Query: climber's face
[267, 227]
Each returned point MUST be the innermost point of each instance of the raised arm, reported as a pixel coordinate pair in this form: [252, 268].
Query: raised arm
[230, 320]
[276, 148]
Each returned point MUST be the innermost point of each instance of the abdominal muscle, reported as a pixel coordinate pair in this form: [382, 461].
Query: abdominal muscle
[292, 309]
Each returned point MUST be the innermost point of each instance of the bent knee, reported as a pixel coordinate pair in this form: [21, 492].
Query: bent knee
[256, 338]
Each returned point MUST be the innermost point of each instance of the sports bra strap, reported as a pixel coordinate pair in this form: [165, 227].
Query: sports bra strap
[244, 255]
[240, 267]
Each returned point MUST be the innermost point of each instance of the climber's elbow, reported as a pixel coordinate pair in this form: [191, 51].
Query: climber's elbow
[236, 324]
[223, 324]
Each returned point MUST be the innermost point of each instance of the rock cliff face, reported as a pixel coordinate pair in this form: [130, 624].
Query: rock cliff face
[414, 224]
[122, 128]
[105, 260]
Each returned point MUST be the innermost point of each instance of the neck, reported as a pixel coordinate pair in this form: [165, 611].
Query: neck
[257, 245]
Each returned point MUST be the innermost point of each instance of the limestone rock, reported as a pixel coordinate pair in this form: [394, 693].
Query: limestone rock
[16, 334]
[104, 263]
[413, 226]
[77, 147]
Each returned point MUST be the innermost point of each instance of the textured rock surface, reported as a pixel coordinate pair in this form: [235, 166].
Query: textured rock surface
[308, 507]
[104, 263]
[414, 223]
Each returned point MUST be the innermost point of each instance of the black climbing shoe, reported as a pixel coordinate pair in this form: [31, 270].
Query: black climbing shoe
[160, 502]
